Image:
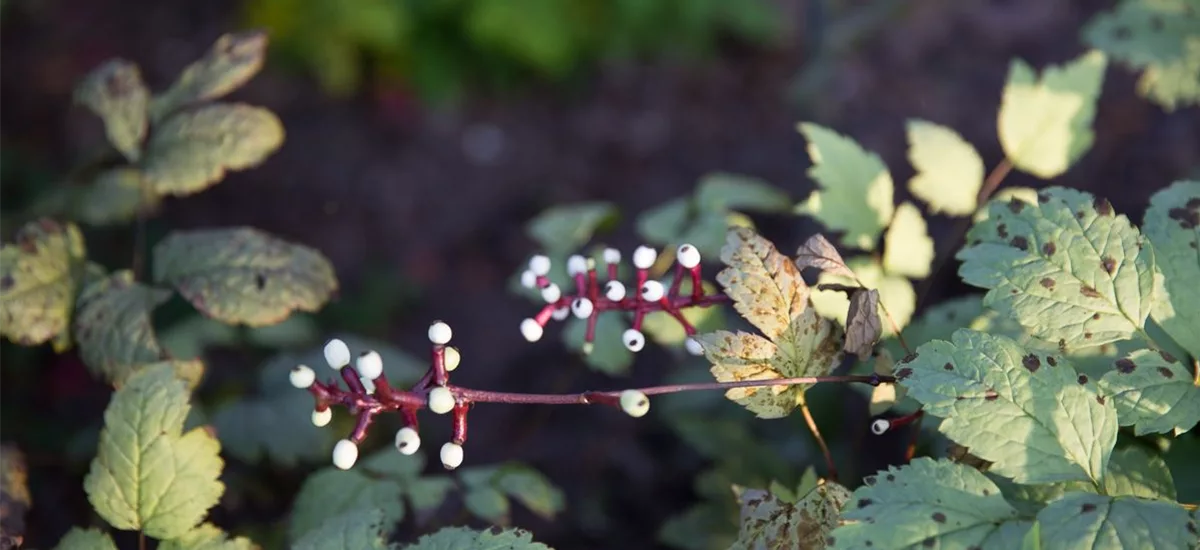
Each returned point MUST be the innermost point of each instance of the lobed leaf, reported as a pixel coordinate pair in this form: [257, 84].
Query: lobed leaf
[86, 539]
[1094, 522]
[818, 252]
[863, 327]
[244, 275]
[907, 246]
[856, 189]
[114, 92]
[360, 529]
[40, 275]
[114, 329]
[564, 229]
[768, 521]
[1153, 392]
[1158, 36]
[462, 538]
[897, 297]
[949, 170]
[231, 62]
[207, 537]
[1172, 223]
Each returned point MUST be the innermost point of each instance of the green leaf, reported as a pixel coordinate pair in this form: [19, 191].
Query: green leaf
[1159, 36]
[1045, 124]
[1153, 392]
[86, 539]
[1135, 472]
[907, 247]
[1172, 223]
[232, 61]
[856, 187]
[274, 427]
[768, 291]
[1068, 269]
[191, 150]
[608, 354]
[564, 229]
[949, 170]
[769, 522]
[333, 493]
[40, 275]
[929, 502]
[115, 92]
[207, 537]
[1094, 522]
[663, 224]
[148, 475]
[244, 275]
[1181, 457]
[721, 191]
[462, 538]
[518, 481]
[896, 294]
[115, 196]
[359, 529]
[113, 326]
[1174, 84]
[488, 504]
[1026, 413]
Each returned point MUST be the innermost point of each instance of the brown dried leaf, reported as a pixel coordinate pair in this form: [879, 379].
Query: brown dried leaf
[769, 522]
[818, 252]
[863, 327]
[14, 496]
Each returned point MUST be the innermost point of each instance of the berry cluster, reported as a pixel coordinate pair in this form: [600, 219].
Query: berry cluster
[594, 296]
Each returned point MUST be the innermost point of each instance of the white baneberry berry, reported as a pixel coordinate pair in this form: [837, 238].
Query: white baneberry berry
[551, 293]
[635, 403]
[539, 264]
[441, 400]
[369, 365]
[368, 385]
[528, 279]
[337, 354]
[612, 256]
[576, 265]
[345, 454]
[644, 257]
[693, 346]
[582, 307]
[652, 291]
[560, 314]
[614, 290]
[440, 333]
[451, 455]
[451, 358]
[688, 256]
[881, 426]
[633, 339]
[531, 330]
[321, 419]
[407, 440]
[302, 377]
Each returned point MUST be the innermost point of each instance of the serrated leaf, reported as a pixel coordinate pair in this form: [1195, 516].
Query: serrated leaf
[907, 247]
[113, 326]
[232, 61]
[766, 287]
[563, 229]
[721, 191]
[86, 539]
[148, 475]
[1027, 195]
[1046, 123]
[1068, 269]
[207, 537]
[275, 427]
[1026, 413]
[333, 493]
[896, 294]
[1133, 471]
[1159, 36]
[1172, 223]
[462, 538]
[608, 354]
[1094, 522]
[15, 499]
[818, 252]
[360, 529]
[40, 275]
[192, 150]
[1153, 392]
[114, 92]
[244, 275]
[856, 187]
[768, 522]
[929, 503]
[863, 327]
[949, 170]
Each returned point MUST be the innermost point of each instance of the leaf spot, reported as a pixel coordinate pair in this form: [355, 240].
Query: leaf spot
[1089, 291]
[1165, 372]
[1083, 379]
[1166, 356]
[1100, 399]
[948, 366]
[1002, 231]
[1088, 507]
[1031, 362]
[1049, 248]
[1109, 264]
[1102, 206]
[903, 373]
[1051, 360]
[1125, 366]
[990, 395]
[1047, 283]
[939, 517]
[1020, 242]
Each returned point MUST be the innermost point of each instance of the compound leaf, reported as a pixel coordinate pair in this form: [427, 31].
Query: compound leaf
[856, 187]
[1030, 415]
[720, 192]
[193, 149]
[113, 326]
[863, 327]
[1159, 36]
[1093, 522]
[949, 170]
[359, 529]
[1136, 472]
[1068, 269]
[896, 295]
[818, 252]
[1172, 223]
[148, 475]
[768, 521]
[1045, 124]
[244, 275]
[462, 538]
[928, 502]
[207, 537]
[115, 92]
[86, 539]
[907, 247]
[232, 61]
[1153, 392]
[563, 229]
[40, 275]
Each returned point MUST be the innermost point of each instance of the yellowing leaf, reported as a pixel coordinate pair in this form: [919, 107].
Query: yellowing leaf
[949, 170]
[89, 539]
[232, 61]
[113, 326]
[907, 247]
[148, 475]
[1045, 125]
[207, 537]
[896, 295]
[856, 187]
[1172, 223]
[766, 287]
[1160, 36]
[115, 92]
[14, 496]
[244, 275]
[770, 522]
[40, 274]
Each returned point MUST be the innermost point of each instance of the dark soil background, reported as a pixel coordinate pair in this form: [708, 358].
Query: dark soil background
[435, 200]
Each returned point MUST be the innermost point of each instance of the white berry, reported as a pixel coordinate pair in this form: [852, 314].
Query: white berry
[644, 257]
[688, 256]
[321, 419]
[582, 308]
[539, 265]
[612, 256]
[451, 455]
[441, 400]
[693, 346]
[302, 377]
[635, 403]
[369, 365]
[528, 279]
[634, 339]
[407, 440]
[576, 265]
[531, 330]
[345, 454]
[368, 385]
[652, 291]
[879, 427]
[440, 333]
[560, 314]
[337, 354]
[551, 293]
[614, 290]
[451, 358]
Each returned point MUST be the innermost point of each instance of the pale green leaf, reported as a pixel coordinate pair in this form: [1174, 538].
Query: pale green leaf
[1027, 195]
[244, 275]
[1160, 36]
[1068, 269]
[1136, 472]
[115, 92]
[608, 354]
[949, 170]
[191, 150]
[907, 247]
[360, 529]
[113, 326]
[1172, 223]
[767, 522]
[1175, 84]
[40, 276]
[207, 537]
[115, 196]
[462, 538]
[563, 229]
[928, 503]
[232, 61]
[1028, 414]
[721, 191]
[86, 539]
[1086, 521]
[855, 195]
[426, 494]
[1046, 124]
[1153, 392]
[897, 297]
[148, 475]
